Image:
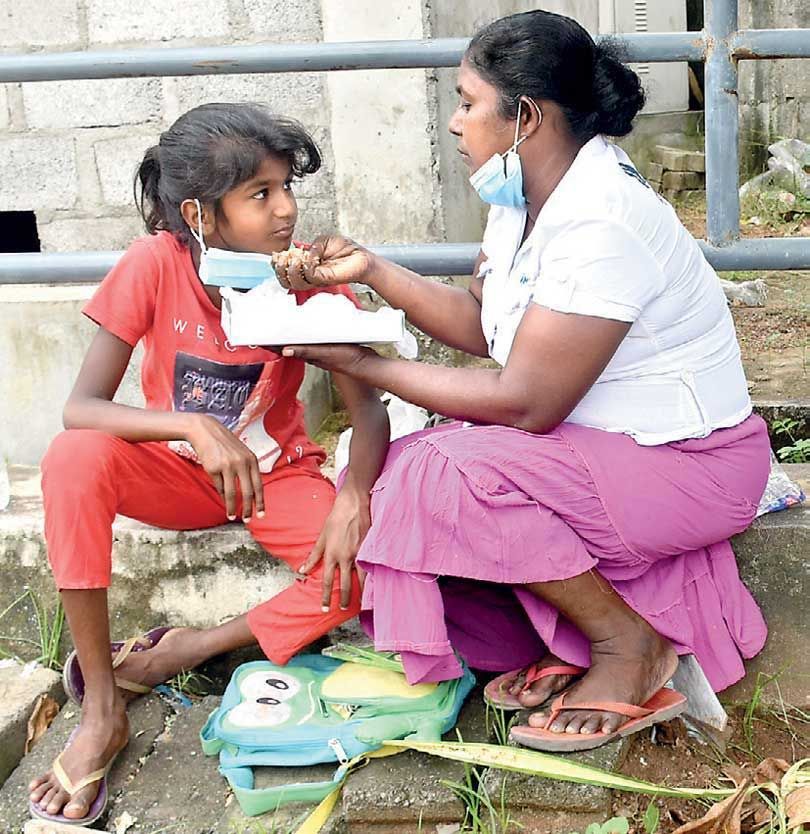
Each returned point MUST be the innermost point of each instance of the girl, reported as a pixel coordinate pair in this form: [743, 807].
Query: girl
[222, 434]
[574, 532]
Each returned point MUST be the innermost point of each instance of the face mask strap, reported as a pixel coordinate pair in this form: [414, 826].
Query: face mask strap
[198, 235]
[518, 141]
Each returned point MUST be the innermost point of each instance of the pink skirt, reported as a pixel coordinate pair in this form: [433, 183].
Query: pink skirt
[464, 516]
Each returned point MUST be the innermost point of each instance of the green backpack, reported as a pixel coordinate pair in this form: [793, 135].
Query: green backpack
[319, 709]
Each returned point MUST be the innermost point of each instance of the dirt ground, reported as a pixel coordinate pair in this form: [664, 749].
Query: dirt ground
[782, 733]
[775, 339]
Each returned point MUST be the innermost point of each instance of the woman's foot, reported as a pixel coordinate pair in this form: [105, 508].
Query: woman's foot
[541, 689]
[101, 735]
[628, 668]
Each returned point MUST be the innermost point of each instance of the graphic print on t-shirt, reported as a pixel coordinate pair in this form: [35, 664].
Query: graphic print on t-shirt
[236, 395]
[206, 387]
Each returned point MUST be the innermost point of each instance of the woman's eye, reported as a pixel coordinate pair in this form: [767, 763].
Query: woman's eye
[464, 105]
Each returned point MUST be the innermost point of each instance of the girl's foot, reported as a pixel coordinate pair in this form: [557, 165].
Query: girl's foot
[180, 649]
[100, 736]
[628, 668]
[542, 689]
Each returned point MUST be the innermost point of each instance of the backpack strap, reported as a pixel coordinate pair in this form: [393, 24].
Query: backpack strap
[254, 801]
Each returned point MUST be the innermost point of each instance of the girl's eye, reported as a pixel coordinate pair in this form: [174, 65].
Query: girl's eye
[288, 186]
[260, 195]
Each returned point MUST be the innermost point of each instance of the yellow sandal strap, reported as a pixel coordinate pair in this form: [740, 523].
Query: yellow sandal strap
[131, 686]
[67, 783]
[126, 649]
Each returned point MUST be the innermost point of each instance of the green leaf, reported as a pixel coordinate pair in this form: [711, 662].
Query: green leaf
[550, 767]
[616, 825]
[652, 816]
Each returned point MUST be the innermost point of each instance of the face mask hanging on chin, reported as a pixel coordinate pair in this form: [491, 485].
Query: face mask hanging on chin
[223, 268]
[499, 181]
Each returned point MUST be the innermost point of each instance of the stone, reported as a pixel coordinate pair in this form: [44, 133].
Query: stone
[671, 159]
[530, 798]
[272, 19]
[682, 180]
[148, 720]
[25, 25]
[111, 22]
[773, 555]
[43, 339]
[89, 234]
[117, 160]
[696, 161]
[92, 103]
[20, 689]
[655, 171]
[405, 793]
[43, 170]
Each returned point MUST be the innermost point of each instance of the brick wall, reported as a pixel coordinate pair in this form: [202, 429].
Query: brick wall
[69, 149]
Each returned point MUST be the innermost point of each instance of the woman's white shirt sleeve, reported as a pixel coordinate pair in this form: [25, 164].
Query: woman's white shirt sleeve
[598, 267]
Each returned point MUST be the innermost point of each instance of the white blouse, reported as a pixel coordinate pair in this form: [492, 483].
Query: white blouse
[605, 244]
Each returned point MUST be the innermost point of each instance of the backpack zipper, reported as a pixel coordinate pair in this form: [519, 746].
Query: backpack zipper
[337, 749]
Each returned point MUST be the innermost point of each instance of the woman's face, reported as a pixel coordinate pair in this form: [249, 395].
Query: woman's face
[477, 121]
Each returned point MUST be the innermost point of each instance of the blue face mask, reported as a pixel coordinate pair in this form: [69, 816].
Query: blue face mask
[499, 181]
[223, 268]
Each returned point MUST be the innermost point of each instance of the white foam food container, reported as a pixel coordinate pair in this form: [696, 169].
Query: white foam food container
[269, 315]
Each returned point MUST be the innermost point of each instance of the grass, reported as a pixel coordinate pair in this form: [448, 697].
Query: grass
[190, 684]
[50, 627]
[482, 814]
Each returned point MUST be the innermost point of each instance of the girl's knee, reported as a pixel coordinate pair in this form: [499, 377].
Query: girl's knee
[77, 453]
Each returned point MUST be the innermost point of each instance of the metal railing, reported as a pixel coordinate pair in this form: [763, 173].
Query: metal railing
[721, 45]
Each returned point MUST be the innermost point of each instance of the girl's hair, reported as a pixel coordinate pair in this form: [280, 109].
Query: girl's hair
[209, 151]
[549, 56]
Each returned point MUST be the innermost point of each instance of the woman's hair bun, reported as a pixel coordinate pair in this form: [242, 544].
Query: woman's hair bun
[617, 91]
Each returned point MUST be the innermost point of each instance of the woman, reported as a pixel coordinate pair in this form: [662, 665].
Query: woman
[578, 521]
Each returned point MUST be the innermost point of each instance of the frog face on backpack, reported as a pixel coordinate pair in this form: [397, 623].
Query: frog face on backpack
[269, 699]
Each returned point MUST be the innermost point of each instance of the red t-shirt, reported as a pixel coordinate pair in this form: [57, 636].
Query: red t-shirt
[154, 294]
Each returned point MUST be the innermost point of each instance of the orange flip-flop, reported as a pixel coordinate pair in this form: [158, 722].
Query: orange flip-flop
[497, 695]
[665, 704]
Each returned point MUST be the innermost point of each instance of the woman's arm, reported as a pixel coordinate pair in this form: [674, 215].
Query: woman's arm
[555, 359]
[223, 456]
[350, 518]
[450, 314]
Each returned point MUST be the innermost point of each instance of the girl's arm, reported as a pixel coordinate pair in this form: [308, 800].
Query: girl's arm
[350, 518]
[450, 314]
[223, 456]
[555, 359]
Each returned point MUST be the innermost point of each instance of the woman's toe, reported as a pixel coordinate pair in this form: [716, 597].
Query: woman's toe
[592, 724]
[538, 719]
[612, 721]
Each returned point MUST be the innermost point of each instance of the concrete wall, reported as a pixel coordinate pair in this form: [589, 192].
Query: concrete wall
[774, 95]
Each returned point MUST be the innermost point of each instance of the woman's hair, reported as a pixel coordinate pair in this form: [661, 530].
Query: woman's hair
[209, 151]
[549, 56]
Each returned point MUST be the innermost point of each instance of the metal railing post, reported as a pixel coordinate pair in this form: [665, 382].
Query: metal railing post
[722, 124]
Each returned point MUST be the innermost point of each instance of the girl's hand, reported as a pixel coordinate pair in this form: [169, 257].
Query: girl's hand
[228, 461]
[340, 539]
[331, 260]
[344, 359]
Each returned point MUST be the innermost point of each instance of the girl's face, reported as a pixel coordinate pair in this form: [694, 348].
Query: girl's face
[259, 215]
[477, 121]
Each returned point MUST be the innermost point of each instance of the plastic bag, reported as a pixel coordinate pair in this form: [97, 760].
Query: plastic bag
[405, 418]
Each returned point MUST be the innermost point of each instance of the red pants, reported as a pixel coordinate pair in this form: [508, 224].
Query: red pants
[89, 476]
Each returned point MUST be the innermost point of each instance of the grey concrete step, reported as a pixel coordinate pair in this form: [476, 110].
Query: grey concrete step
[203, 577]
[162, 781]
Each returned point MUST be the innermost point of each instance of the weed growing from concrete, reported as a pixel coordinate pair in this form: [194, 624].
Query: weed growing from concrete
[798, 450]
[50, 626]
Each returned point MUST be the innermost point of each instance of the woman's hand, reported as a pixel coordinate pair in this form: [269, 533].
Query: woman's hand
[344, 359]
[331, 260]
[228, 461]
[340, 539]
